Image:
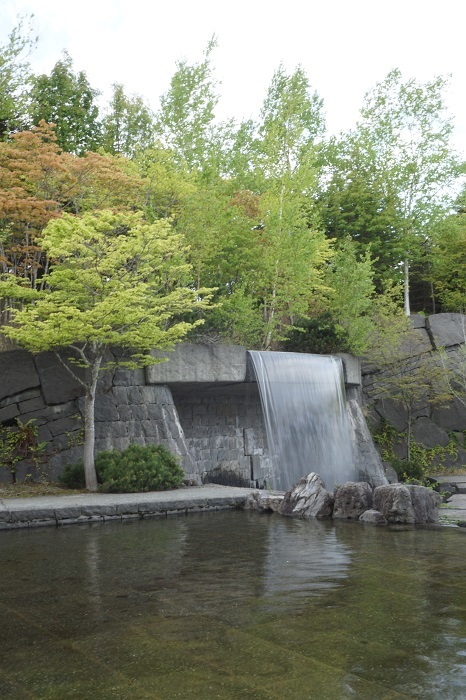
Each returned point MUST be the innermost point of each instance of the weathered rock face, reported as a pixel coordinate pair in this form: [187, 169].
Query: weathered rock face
[308, 499]
[407, 503]
[352, 500]
[373, 517]
[431, 425]
[264, 501]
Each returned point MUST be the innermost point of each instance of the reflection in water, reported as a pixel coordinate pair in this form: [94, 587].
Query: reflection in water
[232, 605]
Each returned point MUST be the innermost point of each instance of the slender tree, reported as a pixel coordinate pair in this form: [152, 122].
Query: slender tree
[128, 127]
[15, 77]
[117, 283]
[404, 140]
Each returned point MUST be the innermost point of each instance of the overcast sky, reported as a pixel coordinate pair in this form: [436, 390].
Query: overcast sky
[345, 46]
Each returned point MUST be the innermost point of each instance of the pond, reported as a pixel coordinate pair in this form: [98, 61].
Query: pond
[232, 605]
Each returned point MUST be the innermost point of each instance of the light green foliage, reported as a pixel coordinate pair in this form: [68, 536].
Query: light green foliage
[185, 120]
[292, 252]
[128, 127]
[448, 259]
[67, 100]
[118, 282]
[350, 278]
[15, 77]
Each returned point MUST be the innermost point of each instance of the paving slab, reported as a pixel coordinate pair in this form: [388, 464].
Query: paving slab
[95, 507]
[453, 512]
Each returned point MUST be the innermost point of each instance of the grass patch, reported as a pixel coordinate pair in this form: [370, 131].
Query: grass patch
[30, 490]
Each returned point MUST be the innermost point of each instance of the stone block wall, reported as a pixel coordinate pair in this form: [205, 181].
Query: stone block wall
[432, 425]
[225, 433]
[204, 407]
[127, 411]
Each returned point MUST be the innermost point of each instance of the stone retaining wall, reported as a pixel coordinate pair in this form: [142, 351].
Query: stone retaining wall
[203, 405]
[432, 425]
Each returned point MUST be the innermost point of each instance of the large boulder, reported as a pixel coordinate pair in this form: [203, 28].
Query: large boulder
[352, 500]
[407, 503]
[308, 499]
[264, 502]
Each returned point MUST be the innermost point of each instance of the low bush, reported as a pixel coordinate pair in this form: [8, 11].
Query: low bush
[138, 468]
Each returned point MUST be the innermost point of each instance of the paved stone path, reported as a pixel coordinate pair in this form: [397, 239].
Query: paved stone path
[98, 507]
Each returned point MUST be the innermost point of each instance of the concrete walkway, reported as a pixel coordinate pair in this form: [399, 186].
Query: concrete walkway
[453, 512]
[99, 507]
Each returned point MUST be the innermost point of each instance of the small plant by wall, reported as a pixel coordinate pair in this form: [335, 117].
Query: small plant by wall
[421, 461]
[136, 469]
[18, 443]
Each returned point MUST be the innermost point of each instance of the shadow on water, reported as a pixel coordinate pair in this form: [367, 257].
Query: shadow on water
[232, 605]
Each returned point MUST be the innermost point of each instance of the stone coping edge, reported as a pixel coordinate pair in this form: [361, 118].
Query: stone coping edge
[18, 513]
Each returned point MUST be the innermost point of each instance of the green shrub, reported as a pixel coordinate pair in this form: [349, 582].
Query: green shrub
[73, 476]
[138, 468]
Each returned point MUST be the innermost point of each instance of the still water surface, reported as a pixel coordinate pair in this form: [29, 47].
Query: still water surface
[232, 605]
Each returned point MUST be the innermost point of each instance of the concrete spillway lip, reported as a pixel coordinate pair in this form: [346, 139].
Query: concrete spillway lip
[100, 507]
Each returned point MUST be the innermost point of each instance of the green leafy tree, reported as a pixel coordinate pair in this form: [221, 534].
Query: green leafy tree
[293, 252]
[351, 299]
[185, 121]
[118, 283]
[67, 100]
[15, 77]
[447, 271]
[128, 127]
[404, 140]
[355, 201]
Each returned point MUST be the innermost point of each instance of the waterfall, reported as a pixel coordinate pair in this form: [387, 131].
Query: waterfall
[304, 406]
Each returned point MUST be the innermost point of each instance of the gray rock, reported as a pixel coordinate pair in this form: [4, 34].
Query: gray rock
[9, 412]
[199, 363]
[428, 434]
[417, 342]
[352, 500]
[308, 498]
[407, 503]
[351, 369]
[452, 417]
[417, 321]
[264, 502]
[447, 329]
[394, 502]
[18, 372]
[373, 517]
[58, 384]
[392, 412]
[426, 504]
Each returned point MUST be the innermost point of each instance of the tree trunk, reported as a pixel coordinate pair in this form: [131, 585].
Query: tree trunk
[89, 426]
[406, 288]
[408, 436]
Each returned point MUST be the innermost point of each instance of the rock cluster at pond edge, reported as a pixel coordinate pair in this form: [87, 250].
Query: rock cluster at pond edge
[392, 503]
